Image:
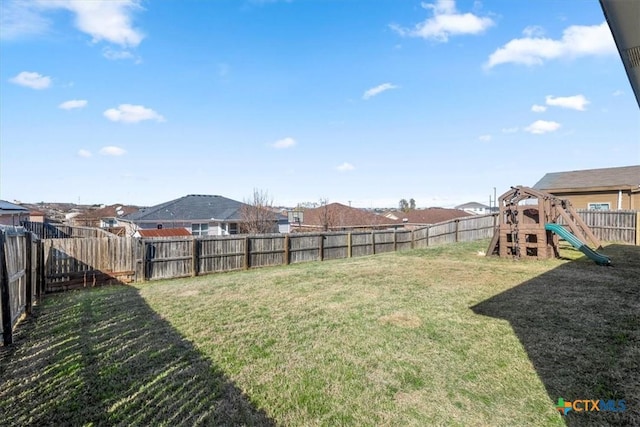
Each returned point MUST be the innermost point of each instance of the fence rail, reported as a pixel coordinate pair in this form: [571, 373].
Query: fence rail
[45, 230]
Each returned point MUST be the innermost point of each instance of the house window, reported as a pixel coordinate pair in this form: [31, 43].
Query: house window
[200, 229]
[599, 206]
[233, 228]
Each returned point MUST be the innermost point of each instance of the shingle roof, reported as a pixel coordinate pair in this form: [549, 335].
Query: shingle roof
[472, 205]
[108, 212]
[622, 177]
[191, 207]
[431, 215]
[8, 206]
[339, 215]
[164, 232]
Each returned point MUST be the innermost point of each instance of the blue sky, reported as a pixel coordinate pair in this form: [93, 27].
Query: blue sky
[141, 102]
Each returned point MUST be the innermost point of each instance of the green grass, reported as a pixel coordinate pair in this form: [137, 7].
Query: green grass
[439, 336]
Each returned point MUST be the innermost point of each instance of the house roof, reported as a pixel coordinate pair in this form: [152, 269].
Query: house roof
[113, 211]
[339, 215]
[627, 177]
[430, 215]
[191, 207]
[11, 208]
[164, 232]
[472, 205]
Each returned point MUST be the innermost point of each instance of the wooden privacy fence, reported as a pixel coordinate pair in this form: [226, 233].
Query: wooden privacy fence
[74, 263]
[86, 262]
[613, 226]
[21, 283]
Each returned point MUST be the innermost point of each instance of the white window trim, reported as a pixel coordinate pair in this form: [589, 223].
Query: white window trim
[599, 204]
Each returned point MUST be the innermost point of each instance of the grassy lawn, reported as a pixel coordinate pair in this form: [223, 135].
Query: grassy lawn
[439, 336]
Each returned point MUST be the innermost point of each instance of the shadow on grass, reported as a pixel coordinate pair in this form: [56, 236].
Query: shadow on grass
[104, 357]
[580, 326]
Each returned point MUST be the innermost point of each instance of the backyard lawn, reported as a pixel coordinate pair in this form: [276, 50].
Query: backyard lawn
[439, 336]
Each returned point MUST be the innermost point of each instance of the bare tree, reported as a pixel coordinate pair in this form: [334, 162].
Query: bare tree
[327, 215]
[257, 214]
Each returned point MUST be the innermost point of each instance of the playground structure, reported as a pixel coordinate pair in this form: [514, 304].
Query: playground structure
[529, 227]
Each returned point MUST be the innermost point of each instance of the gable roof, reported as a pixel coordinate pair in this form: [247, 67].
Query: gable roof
[472, 205]
[113, 211]
[431, 215]
[12, 208]
[189, 208]
[627, 177]
[339, 215]
[164, 232]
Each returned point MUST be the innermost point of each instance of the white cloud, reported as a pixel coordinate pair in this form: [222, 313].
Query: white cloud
[84, 153]
[116, 55]
[445, 22]
[577, 102]
[538, 108]
[19, 19]
[32, 80]
[287, 142]
[617, 93]
[345, 167]
[72, 104]
[103, 20]
[112, 150]
[533, 31]
[576, 41]
[378, 90]
[542, 126]
[510, 130]
[485, 138]
[127, 113]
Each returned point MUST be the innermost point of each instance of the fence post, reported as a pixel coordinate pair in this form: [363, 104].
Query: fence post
[7, 329]
[413, 239]
[247, 253]
[287, 250]
[41, 269]
[395, 240]
[373, 242]
[28, 253]
[457, 222]
[321, 247]
[195, 260]
[428, 232]
[349, 245]
[144, 261]
[637, 228]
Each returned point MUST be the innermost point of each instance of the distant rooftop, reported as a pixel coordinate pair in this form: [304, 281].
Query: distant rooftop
[626, 177]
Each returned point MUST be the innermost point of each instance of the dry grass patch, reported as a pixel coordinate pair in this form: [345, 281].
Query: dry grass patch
[402, 320]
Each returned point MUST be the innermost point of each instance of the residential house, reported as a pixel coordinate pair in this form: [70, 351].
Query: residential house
[12, 214]
[420, 217]
[336, 216]
[202, 215]
[104, 217]
[475, 208]
[600, 189]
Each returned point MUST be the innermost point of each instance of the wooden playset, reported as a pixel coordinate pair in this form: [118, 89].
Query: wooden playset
[529, 227]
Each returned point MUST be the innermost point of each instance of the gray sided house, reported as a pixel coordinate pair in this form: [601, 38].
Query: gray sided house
[202, 215]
